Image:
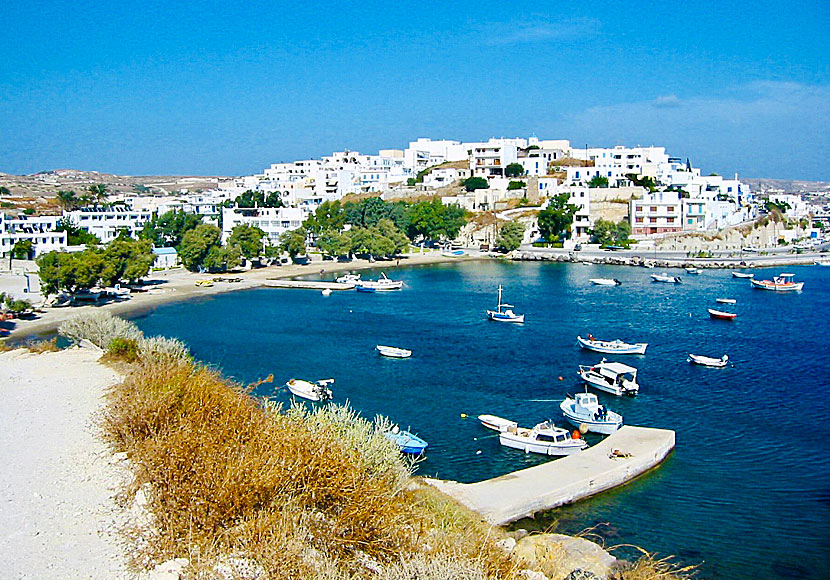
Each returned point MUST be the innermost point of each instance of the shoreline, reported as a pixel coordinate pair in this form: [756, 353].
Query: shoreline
[179, 285]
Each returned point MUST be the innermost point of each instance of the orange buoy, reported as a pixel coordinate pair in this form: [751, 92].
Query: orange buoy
[576, 434]
[561, 379]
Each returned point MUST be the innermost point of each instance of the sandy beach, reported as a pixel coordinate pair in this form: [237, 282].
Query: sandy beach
[179, 284]
[58, 515]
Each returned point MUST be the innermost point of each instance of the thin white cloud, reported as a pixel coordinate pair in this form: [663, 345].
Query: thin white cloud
[666, 101]
[538, 30]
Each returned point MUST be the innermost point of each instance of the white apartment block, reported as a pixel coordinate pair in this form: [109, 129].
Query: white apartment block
[425, 153]
[107, 222]
[274, 221]
[489, 159]
[660, 212]
[39, 230]
[799, 208]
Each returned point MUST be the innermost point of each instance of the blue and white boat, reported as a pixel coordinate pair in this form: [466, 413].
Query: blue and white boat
[382, 284]
[585, 409]
[503, 312]
[611, 346]
[407, 442]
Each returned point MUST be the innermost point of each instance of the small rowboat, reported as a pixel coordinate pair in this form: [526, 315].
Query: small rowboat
[407, 442]
[726, 300]
[720, 315]
[393, 352]
[611, 346]
[708, 361]
[605, 281]
[497, 423]
[667, 278]
[742, 275]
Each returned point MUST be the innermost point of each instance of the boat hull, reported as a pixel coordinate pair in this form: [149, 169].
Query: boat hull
[501, 317]
[769, 285]
[602, 426]
[497, 423]
[307, 390]
[706, 361]
[742, 275]
[614, 347]
[407, 442]
[718, 315]
[604, 282]
[598, 381]
[393, 352]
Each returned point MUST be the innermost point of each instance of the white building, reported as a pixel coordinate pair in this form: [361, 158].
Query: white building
[579, 196]
[166, 258]
[38, 230]
[425, 153]
[274, 221]
[657, 213]
[489, 159]
[108, 222]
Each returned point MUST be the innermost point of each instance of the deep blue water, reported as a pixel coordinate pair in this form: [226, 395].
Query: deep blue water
[747, 490]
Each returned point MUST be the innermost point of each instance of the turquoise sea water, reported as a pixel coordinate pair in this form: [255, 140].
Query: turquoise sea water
[747, 490]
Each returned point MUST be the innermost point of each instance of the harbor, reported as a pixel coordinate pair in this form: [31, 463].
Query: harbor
[616, 460]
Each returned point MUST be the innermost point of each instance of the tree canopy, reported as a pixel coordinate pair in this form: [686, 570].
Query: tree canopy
[196, 244]
[168, 229]
[598, 181]
[75, 236]
[248, 239]
[606, 232]
[432, 220]
[514, 170]
[473, 183]
[556, 219]
[252, 198]
[294, 242]
[510, 236]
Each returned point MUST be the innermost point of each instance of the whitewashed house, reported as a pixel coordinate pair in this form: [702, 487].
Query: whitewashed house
[274, 221]
[38, 230]
[166, 258]
[108, 222]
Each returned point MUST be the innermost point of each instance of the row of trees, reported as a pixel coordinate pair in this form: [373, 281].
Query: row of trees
[69, 200]
[606, 233]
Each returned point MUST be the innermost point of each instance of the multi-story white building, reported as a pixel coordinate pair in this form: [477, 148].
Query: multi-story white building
[108, 222]
[489, 159]
[274, 221]
[38, 230]
[425, 153]
[659, 212]
[579, 196]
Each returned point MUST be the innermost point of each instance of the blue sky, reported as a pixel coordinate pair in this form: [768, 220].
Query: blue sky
[219, 88]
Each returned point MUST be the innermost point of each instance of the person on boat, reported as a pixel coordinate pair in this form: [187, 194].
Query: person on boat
[590, 336]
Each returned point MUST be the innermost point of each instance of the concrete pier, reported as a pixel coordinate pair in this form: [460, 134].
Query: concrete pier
[307, 284]
[614, 461]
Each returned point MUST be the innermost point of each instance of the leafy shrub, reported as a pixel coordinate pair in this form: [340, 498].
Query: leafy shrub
[125, 349]
[160, 348]
[99, 327]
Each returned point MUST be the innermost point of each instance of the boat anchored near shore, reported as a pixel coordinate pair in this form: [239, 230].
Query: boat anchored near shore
[545, 438]
[316, 391]
[611, 346]
[504, 312]
[585, 409]
[780, 283]
[708, 361]
[611, 377]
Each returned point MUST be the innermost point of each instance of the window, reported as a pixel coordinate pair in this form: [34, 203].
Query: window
[670, 208]
[653, 208]
[691, 221]
[670, 220]
[652, 220]
[639, 220]
[639, 208]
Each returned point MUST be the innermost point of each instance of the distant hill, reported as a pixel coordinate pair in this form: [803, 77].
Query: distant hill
[760, 184]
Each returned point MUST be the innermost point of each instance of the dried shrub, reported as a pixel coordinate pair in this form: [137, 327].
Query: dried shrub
[41, 346]
[649, 567]
[160, 349]
[434, 567]
[99, 327]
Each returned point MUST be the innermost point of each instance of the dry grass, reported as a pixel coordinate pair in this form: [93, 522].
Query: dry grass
[649, 567]
[40, 346]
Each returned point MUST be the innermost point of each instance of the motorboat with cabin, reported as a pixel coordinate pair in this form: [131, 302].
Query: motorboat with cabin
[780, 283]
[611, 377]
[382, 284]
[708, 361]
[611, 346]
[393, 351]
[605, 281]
[349, 280]
[545, 438]
[585, 409]
[316, 391]
[504, 312]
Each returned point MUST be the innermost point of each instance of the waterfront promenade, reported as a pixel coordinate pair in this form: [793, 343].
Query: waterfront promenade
[614, 461]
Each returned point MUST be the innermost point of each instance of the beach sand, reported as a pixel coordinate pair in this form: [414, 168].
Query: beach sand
[58, 515]
[179, 284]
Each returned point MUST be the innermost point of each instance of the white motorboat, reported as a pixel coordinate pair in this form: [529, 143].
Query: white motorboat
[544, 438]
[611, 377]
[667, 278]
[497, 423]
[585, 409]
[605, 281]
[693, 270]
[780, 283]
[708, 361]
[611, 346]
[382, 284]
[742, 275]
[350, 280]
[726, 300]
[503, 312]
[393, 352]
[316, 391]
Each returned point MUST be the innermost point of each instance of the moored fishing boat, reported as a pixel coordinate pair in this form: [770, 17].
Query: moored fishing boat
[585, 409]
[611, 377]
[497, 423]
[708, 361]
[691, 270]
[503, 312]
[316, 391]
[605, 281]
[721, 315]
[742, 275]
[725, 300]
[407, 442]
[393, 352]
[780, 283]
[667, 278]
[544, 438]
[611, 346]
[382, 284]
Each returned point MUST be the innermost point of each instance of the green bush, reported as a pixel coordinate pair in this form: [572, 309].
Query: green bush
[125, 349]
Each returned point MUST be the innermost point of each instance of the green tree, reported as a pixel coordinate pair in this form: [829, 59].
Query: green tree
[249, 240]
[222, 258]
[22, 249]
[17, 306]
[623, 231]
[514, 170]
[294, 242]
[645, 181]
[510, 235]
[432, 220]
[67, 200]
[329, 215]
[556, 219]
[98, 192]
[516, 185]
[598, 181]
[387, 228]
[4, 190]
[473, 183]
[252, 198]
[126, 259]
[780, 206]
[334, 243]
[603, 232]
[196, 244]
[76, 236]
[168, 229]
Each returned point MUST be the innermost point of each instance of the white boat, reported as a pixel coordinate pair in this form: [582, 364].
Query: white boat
[544, 438]
[742, 275]
[721, 315]
[668, 278]
[503, 312]
[382, 284]
[780, 283]
[611, 377]
[350, 280]
[497, 423]
[726, 300]
[585, 409]
[316, 391]
[393, 352]
[693, 270]
[708, 361]
[605, 281]
[611, 346]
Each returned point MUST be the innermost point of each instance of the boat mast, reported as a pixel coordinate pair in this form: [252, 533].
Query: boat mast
[498, 307]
